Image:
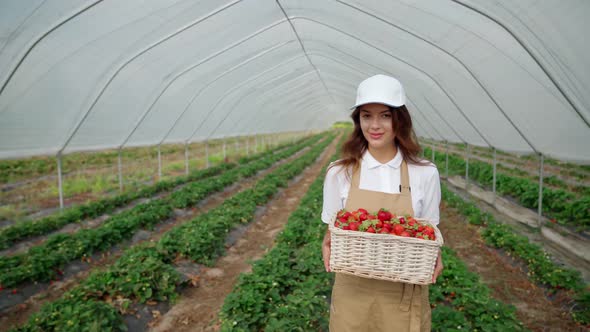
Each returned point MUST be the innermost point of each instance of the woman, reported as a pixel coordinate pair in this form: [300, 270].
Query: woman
[380, 169]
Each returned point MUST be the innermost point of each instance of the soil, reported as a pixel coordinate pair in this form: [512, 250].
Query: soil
[198, 307]
[506, 277]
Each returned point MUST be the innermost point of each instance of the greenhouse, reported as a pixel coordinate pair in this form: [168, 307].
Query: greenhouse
[164, 163]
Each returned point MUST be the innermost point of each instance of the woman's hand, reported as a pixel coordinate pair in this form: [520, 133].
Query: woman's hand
[437, 268]
[326, 250]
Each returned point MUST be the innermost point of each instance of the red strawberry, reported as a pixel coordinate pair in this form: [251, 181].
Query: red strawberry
[372, 217]
[379, 224]
[354, 226]
[398, 229]
[402, 220]
[363, 211]
[363, 217]
[370, 229]
[383, 215]
[14, 291]
[346, 227]
[405, 234]
[384, 230]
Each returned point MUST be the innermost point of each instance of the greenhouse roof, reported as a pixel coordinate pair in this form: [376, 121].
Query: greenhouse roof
[87, 75]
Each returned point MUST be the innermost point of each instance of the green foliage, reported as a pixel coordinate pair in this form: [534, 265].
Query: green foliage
[540, 266]
[565, 207]
[73, 314]
[145, 273]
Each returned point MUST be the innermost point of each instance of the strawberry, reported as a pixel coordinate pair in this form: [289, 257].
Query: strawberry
[370, 229]
[346, 227]
[387, 226]
[384, 230]
[363, 211]
[383, 215]
[372, 217]
[354, 226]
[398, 229]
[14, 291]
[379, 224]
[428, 230]
[405, 234]
[402, 220]
[363, 217]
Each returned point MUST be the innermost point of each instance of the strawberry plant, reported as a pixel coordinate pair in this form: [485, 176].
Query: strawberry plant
[145, 273]
[540, 266]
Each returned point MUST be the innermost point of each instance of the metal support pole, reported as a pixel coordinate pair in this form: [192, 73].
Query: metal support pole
[59, 182]
[433, 157]
[447, 160]
[494, 179]
[255, 143]
[159, 164]
[247, 146]
[466, 165]
[120, 170]
[540, 212]
[186, 158]
[206, 154]
[224, 150]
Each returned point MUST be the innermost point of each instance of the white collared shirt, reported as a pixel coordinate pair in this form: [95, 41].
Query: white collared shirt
[375, 176]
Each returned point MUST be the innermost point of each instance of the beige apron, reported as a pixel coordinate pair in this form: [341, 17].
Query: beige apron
[361, 304]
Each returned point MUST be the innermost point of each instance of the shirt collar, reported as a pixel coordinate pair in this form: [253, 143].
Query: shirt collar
[371, 162]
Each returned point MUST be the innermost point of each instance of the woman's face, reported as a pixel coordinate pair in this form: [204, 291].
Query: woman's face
[377, 125]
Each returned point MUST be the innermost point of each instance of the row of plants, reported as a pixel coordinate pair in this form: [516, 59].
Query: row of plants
[22, 169]
[541, 268]
[145, 272]
[567, 169]
[288, 289]
[35, 265]
[563, 207]
[28, 228]
[552, 180]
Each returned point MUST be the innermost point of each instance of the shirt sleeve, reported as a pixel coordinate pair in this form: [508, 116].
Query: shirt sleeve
[332, 202]
[432, 197]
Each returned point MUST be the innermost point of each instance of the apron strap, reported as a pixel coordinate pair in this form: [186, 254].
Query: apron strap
[404, 187]
[407, 294]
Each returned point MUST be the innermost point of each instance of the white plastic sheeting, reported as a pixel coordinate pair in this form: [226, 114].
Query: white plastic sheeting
[87, 75]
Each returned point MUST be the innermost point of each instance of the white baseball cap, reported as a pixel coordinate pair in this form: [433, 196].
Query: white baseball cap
[380, 89]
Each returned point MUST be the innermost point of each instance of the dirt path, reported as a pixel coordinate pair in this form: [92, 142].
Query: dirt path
[31, 297]
[506, 278]
[198, 307]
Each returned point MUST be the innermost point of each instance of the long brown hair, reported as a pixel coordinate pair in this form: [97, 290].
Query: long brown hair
[405, 139]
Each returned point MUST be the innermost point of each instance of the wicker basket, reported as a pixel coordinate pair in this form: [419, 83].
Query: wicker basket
[384, 256]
